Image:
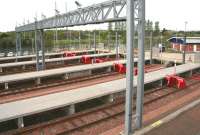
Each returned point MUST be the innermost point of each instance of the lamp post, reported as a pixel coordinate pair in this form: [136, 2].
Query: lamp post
[184, 43]
[57, 12]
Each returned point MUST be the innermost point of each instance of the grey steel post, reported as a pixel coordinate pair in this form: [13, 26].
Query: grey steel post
[116, 41]
[32, 39]
[42, 48]
[37, 49]
[79, 39]
[56, 42]
[151, 52]
[95, 46]
[67, 38]
[140, 84]
[33, 49]
[18, 44]
[70, 38]
[99, 37]
[109, 41]
[184, 49]
[184, 44]
[116, 31]
[90, 40]
[129, 70]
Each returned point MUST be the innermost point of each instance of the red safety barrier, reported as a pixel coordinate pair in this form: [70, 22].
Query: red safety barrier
[119, 68]
[86, 59]
[170, 81]
[181, 83]
[99, 60]
[69, 54]
[173, 80]
[122, 69]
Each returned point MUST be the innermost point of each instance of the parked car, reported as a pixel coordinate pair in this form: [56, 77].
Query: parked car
[25, 53]
[2, 54]
[10, 54]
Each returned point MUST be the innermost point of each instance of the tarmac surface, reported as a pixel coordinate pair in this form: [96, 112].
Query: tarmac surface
[188, 123]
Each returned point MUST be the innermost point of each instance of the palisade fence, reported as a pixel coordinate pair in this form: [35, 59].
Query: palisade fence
[28, 50]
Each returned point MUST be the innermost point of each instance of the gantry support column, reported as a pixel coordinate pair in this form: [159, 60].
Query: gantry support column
[184, 49]
[39, 46]
[70, 39]
[18, 44]
[90, 40]
[129, 71]
[95, 46]
[183, 61]
[116, 41]
[141, 62]
[151, 51]
[79, 40]
[116, 32]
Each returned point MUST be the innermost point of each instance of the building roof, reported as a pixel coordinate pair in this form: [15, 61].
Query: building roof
[189, 40]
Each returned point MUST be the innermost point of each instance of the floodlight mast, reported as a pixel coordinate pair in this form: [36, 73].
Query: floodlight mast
[67, 38]
[56, 33]
[184, 42]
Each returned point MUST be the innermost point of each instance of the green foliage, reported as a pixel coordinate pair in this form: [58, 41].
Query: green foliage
[7, 40]
[156, 28]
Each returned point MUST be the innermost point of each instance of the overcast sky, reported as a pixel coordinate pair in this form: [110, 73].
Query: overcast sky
[170, 13]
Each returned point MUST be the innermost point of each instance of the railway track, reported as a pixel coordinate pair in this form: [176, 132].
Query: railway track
[78, 122]
[30, 68]
[149, 68]
[11, 94]
[47, 88]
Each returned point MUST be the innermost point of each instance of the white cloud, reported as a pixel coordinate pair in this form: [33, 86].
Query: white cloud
[171, 13]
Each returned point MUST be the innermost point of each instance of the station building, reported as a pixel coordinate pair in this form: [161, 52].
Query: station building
[192, 44]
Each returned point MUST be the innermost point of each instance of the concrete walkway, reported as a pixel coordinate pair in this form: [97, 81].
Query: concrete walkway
[185, 121]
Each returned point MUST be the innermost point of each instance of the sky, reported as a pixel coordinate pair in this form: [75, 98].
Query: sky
[172, 14]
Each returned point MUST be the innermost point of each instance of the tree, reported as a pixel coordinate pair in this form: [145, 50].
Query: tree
[156, 28]
[149, 25]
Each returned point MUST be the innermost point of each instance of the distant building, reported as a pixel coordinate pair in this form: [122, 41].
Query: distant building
[192, 44]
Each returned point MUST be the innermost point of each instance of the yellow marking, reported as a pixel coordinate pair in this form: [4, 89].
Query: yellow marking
[156, 124]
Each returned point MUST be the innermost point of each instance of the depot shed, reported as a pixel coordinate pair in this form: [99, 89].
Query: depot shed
[192, 44]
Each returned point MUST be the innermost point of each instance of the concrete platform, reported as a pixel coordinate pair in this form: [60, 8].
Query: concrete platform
[185, 121]
[14, 58]
[58, 71]
[66, 72]
[35, 105]
[65, 59]
[27, 56]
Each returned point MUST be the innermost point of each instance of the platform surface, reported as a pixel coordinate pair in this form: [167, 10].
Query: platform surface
[46, 54]
[35, 105]
[57, 71]
[24, 63]
[185, 124]
[27, 56]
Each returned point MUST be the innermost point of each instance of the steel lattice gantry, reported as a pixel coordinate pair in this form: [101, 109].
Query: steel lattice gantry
[131, 11]
[109, 11]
